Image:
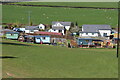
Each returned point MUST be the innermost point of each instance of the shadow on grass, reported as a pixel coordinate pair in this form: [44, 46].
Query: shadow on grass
[17, 44]
[7, 57]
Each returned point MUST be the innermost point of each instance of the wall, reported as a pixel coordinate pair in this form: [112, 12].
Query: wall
[84, 41]
[105, 31]
[57, 31]
[12, 36]
[89, 34]
[46, 40]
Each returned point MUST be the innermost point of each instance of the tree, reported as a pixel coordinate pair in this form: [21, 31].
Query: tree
[31, 23]
[74, 28]
[76, 24]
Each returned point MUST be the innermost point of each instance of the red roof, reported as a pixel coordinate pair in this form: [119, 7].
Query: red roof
[48, 33]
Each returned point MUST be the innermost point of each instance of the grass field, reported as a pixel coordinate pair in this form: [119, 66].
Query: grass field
[45, 15]
[44, 61]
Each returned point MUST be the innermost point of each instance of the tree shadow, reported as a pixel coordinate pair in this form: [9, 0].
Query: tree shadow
[18, 44]
[7, 57]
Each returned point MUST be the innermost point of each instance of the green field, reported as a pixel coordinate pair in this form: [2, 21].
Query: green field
[44, 61]
[45, 15]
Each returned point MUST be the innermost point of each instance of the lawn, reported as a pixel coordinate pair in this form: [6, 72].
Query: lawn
[45, 15]
[45, 61]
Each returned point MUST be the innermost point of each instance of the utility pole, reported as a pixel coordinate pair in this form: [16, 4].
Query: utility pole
[29, 17]
[118, 32]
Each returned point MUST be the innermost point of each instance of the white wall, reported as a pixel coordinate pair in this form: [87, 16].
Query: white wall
[29, 31]
[105, 31]
[41, 26]
[67, 27]
[51, 30]
[89, 34]
[57, 31]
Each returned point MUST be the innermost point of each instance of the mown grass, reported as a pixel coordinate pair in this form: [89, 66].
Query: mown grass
[44, 61]
[45, 15]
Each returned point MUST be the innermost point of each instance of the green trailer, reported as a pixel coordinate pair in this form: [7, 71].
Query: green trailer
[12, 35]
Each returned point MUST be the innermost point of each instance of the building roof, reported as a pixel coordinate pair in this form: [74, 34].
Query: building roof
[29, 36]
[58, 28]
[37, 36]
[47, 33]
[88, 32]
[61, 22]
[12, 32]
[95, 28]
[90, 39]
[32, 27]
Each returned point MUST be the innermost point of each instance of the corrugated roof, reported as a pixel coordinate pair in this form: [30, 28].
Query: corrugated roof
[47, 33]
[95, 28]
[37, 36]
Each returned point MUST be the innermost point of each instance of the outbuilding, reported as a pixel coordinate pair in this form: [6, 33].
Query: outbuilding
[42, 39]
[89, 42]
[12, 35]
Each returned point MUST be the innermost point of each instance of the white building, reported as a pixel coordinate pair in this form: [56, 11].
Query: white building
[31, 29]
[41, 26]
[95, 31]
[60, 27]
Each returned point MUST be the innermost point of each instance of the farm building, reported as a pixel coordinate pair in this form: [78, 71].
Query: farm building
[12, 35]
[42, 39]
[95, 31]
[29, 38]
[31, 29]
[19, 29]
[89, 41]
[60, 27]
[42, 26]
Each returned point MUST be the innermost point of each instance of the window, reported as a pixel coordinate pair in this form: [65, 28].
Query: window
[92, 33]
[86, 33]
[11, 34]
[60, 31]
[38, 38]
[104, 34]
[44, 38]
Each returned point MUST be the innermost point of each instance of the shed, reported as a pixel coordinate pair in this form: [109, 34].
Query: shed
[29, 38]
[86, 41]
[12, 35]
[42, 39]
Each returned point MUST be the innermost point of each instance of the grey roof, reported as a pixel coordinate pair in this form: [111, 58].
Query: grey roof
[87, 32]
[12, 32]
[29, 36]
[32, 27]
[95, 28]
[63, 23]
[58, 28]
